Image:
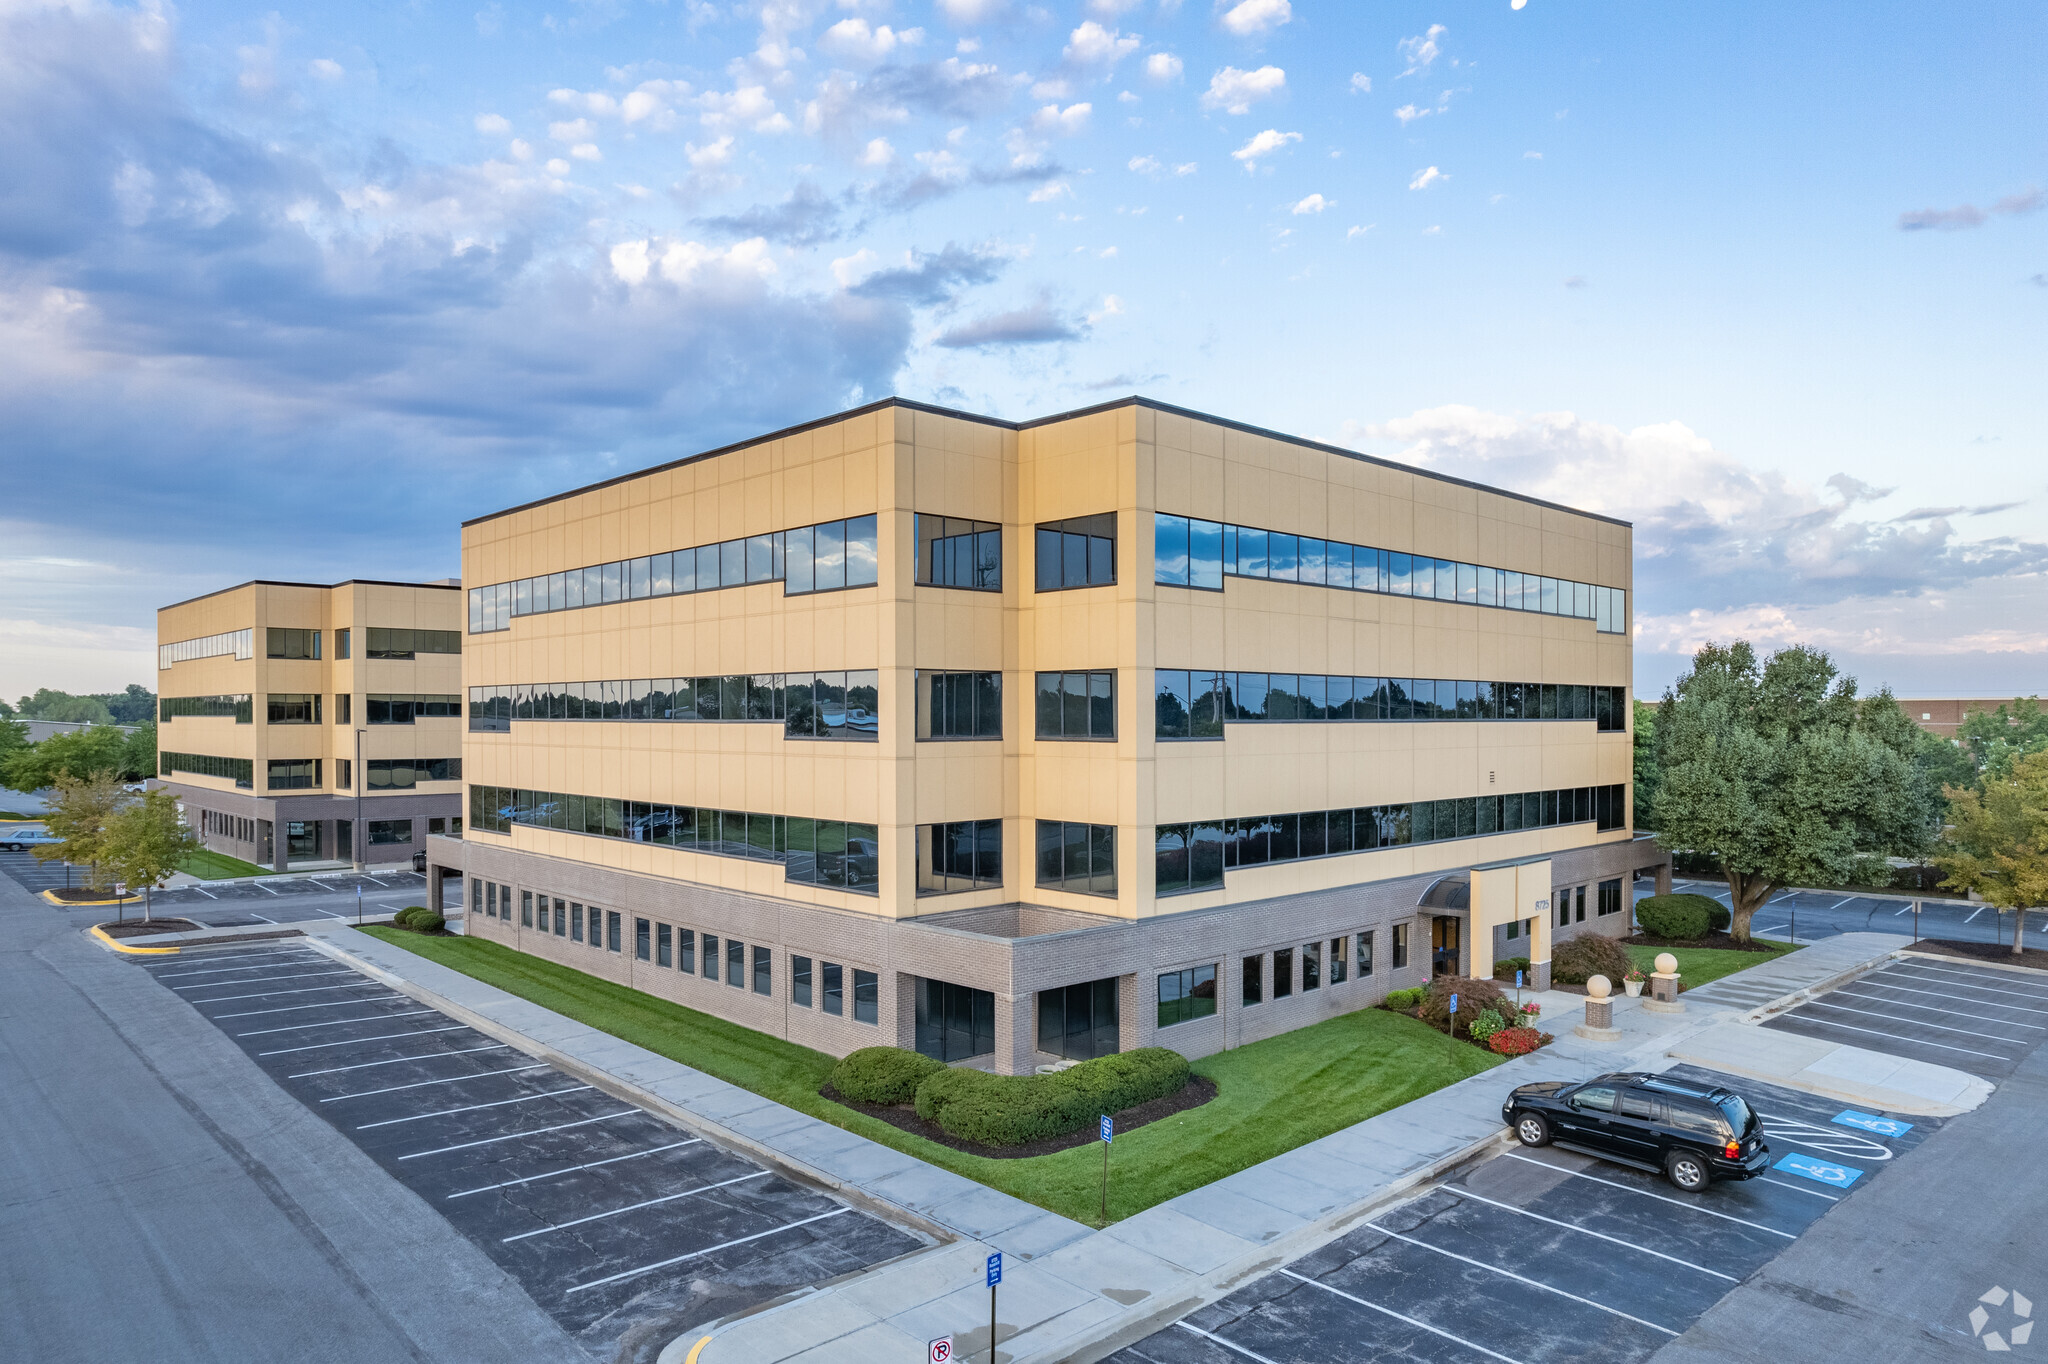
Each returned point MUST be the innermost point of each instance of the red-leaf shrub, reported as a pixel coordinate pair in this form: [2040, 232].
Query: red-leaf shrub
[1515, 1041]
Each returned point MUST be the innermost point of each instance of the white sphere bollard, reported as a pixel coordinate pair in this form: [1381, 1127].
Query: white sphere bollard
[1599, 1024]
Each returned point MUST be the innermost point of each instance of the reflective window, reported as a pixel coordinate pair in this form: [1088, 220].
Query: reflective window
[1187, 995]
[1079, 1022]
[1079, 858]
[292, 708]
[293, 774]
[1076, 705]
[238, 770]
[954, 1022]
[393, 774]
[867, 996]
[952, 552]
[387, 831]
[1187, 705]
[238, 707]
[962, 855]
[287, 643]
[399, 709]
[1077, 552]
[959, 705]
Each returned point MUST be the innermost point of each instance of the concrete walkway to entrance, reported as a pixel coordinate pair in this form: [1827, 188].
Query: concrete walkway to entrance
[1069, 1292]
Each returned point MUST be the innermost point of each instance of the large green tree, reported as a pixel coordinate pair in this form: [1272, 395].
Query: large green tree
[1783, 775]
[1996, 739]
[78, 816]
[131, 706]
[73, 753]
[145, 841]
[49, 704]
[1996, 842]
[1648, 776]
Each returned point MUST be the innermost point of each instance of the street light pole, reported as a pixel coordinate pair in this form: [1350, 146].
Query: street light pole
[358, 833]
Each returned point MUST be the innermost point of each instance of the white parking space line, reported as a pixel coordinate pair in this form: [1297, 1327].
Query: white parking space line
[1399, 1316]
[1779, 929]
[471, 1108]
[1228, 1345]
[359, 1041]
[588, 1165]
[396, 1060]
[635, 1207]
[297, 959]
[1876, 984]
[1463, 1192]
[1918, 1023]
[297, 1008]
[260, 886]
[708, 1250]
[1645, 1193]
[1974, 913]
[514, 1136]
[2029, 993]
[1899, 1037]
[262, 980]
[422, 1084]
[281, 994]
[1843, 901]
[1903, 909]
[207, 893]
[1533, 1283]
[1796, 1188]
[336, 1023]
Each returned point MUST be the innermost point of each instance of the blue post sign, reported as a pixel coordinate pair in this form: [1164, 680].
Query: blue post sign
[1454, 1004]
[995, 1269]
[1518, 978]
[1108, 1127]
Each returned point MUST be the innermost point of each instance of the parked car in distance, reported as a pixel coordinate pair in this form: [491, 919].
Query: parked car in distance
[16, 839]
[1693, 1134]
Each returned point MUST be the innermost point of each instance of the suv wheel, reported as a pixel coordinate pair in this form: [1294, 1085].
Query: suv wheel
[1686, 1170]
[1532, 1130]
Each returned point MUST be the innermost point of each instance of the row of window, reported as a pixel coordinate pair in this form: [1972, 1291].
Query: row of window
[959, 705]
[292, 774]
[1569, 898]
[287, 642]
[237, 828]
[239, 707]
[1194, 553]
[1077, 552]
[1197, 704]
[241, 771]
[952, 552]
[834, 705]
[820, 558]
[824, 852]
[394, 708]
[239, 643]
[292, 708]
[1078, 858]
[397, 642]
[821, 984]
[1312, 957]
[1193, 856]
[396, 774]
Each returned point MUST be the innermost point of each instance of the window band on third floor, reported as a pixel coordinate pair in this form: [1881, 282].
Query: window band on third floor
[1197, 704]
[1187, 552]
[238, 707]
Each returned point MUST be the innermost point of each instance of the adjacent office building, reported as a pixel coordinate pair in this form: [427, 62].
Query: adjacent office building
[301, 723]
[1022, 742]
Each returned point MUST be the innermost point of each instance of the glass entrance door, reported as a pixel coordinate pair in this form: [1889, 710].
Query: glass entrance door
[1079, 1022]
[302, 840]
[1443, 945]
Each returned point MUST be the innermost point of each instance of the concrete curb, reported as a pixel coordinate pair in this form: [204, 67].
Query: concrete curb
[627, 1092]
[2036, 972]
[50, 897]
[1820, 987]
[114, 946]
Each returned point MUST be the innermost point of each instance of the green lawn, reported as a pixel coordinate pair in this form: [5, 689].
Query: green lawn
[213, 866]
[9, 814]
[1698, 965]
[1272, 1096]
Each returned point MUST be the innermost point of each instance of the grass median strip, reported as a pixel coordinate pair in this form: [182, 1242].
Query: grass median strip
[213, 866]
[1698, 965]
[1272, 1096]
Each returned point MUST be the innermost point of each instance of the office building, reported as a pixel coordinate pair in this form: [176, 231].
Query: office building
[1022, 742]
[308, 724]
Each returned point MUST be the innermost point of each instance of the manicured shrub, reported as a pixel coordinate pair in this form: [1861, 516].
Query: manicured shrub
[1515, 1041]
[1475, 997]
[1486, 1025]
[404, 917]
[1011, 1110]
[1589, 954]
[426, 921]
[1718, 918]
[1399, 1000]
[883, 1075]
[1680, 918]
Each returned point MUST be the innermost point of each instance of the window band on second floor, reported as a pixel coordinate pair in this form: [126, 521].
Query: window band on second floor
[952, 552]
[384, 708]
[1196, 704]
[825, 705]
[239, 707]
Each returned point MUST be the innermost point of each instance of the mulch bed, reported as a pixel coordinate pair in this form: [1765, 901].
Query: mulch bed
[1197, 1091]
[142, 928]
[2000, 952]
[86, 895]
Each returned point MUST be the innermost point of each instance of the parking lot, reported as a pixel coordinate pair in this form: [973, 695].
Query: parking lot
[616, 1223]
[255, 903]
[1817, 914]
[1540, 1255]
[1947, 1012]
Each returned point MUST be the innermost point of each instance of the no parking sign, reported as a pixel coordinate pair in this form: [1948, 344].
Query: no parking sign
[942, 1350]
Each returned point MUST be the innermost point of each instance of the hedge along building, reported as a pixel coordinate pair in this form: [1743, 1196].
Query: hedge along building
[271, 694]
[1022, 742]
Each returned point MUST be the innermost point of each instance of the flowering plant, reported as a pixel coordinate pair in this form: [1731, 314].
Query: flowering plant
[1635, 973]
[1515, 1041]
[1531, 1009]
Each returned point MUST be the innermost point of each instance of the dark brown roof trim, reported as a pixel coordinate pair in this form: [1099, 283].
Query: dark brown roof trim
[1132, 401]
[322, 587]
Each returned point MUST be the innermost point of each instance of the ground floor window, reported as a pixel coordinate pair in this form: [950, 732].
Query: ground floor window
[1610, 897]
[1187, 995]
[867, 997]
[384, 831]
[1400, 946]
[1254, 979]
[835, 989]
[643, 940]
[764, 971]
[1338, 965]
[954, 1022]
[1365, 954]
[800, 981]
[1079, 1022]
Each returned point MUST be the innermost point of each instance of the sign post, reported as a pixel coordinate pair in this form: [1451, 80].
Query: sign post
[359, 904]
[939, 1351]
[1518, 985]
[1108, 1131]
[1451, 1025]
[995, 1276]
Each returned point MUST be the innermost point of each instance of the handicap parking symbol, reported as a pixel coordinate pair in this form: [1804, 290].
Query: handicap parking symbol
[1870, 1122]
[1840, 1176]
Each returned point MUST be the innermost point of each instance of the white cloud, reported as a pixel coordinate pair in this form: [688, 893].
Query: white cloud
[1143, 165]
[1126, 97]
[1050, 191]
[1357, 232]
[493, 125]
[573, 130]
[326, 69]
[1184, 168]
[749, 106]
[1315, 203]
[678, 262]
[1093, 45]
[1235, 91]
[713, 154]
[1163, 66]
[557, 166]
[522, 150]
[1265, 144]
[1070, 120]
[1427, 176]
[970, 11]
[586, 151]
[1106, 253]
[1254, 18]
[1532, 156]
[851, 270]
[877, 155]
[1111, 9]
[1421, 51]
[1112, 306]
[1361, 84]
[854, 40]
[1434, 230]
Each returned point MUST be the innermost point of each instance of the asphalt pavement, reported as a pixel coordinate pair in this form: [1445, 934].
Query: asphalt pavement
[1815, 914]
[252, 903]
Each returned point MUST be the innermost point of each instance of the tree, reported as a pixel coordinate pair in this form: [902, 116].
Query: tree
[75, 753]
[13, 740]
[1782, 775]
[1648, 776]
[1996, 843]
[146, 840]
[138, 753]
[78, 816]
[1996, 739]
[48, 704]
[129, 707]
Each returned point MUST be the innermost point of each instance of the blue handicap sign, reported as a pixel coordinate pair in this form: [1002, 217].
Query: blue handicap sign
[1108, 1127]
[1518, 980]
[1840, 1176]
[1870, 1122]
[995, 1269]
[1454, 1004]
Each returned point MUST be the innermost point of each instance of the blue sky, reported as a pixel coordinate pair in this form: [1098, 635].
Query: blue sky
[289, 294]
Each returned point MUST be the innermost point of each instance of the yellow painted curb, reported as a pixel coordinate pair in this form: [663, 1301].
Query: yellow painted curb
[138, 951]
[696, 1350]
[51, 896]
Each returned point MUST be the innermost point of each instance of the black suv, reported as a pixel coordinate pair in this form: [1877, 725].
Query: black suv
[1692, 1133]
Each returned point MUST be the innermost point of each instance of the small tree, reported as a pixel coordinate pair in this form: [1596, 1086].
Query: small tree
[77, 754]
[1780, 773]
[146, 841]
[78, 817]
[138, 753]
[1648, 777]
[1995, 739]
[1997, 840]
